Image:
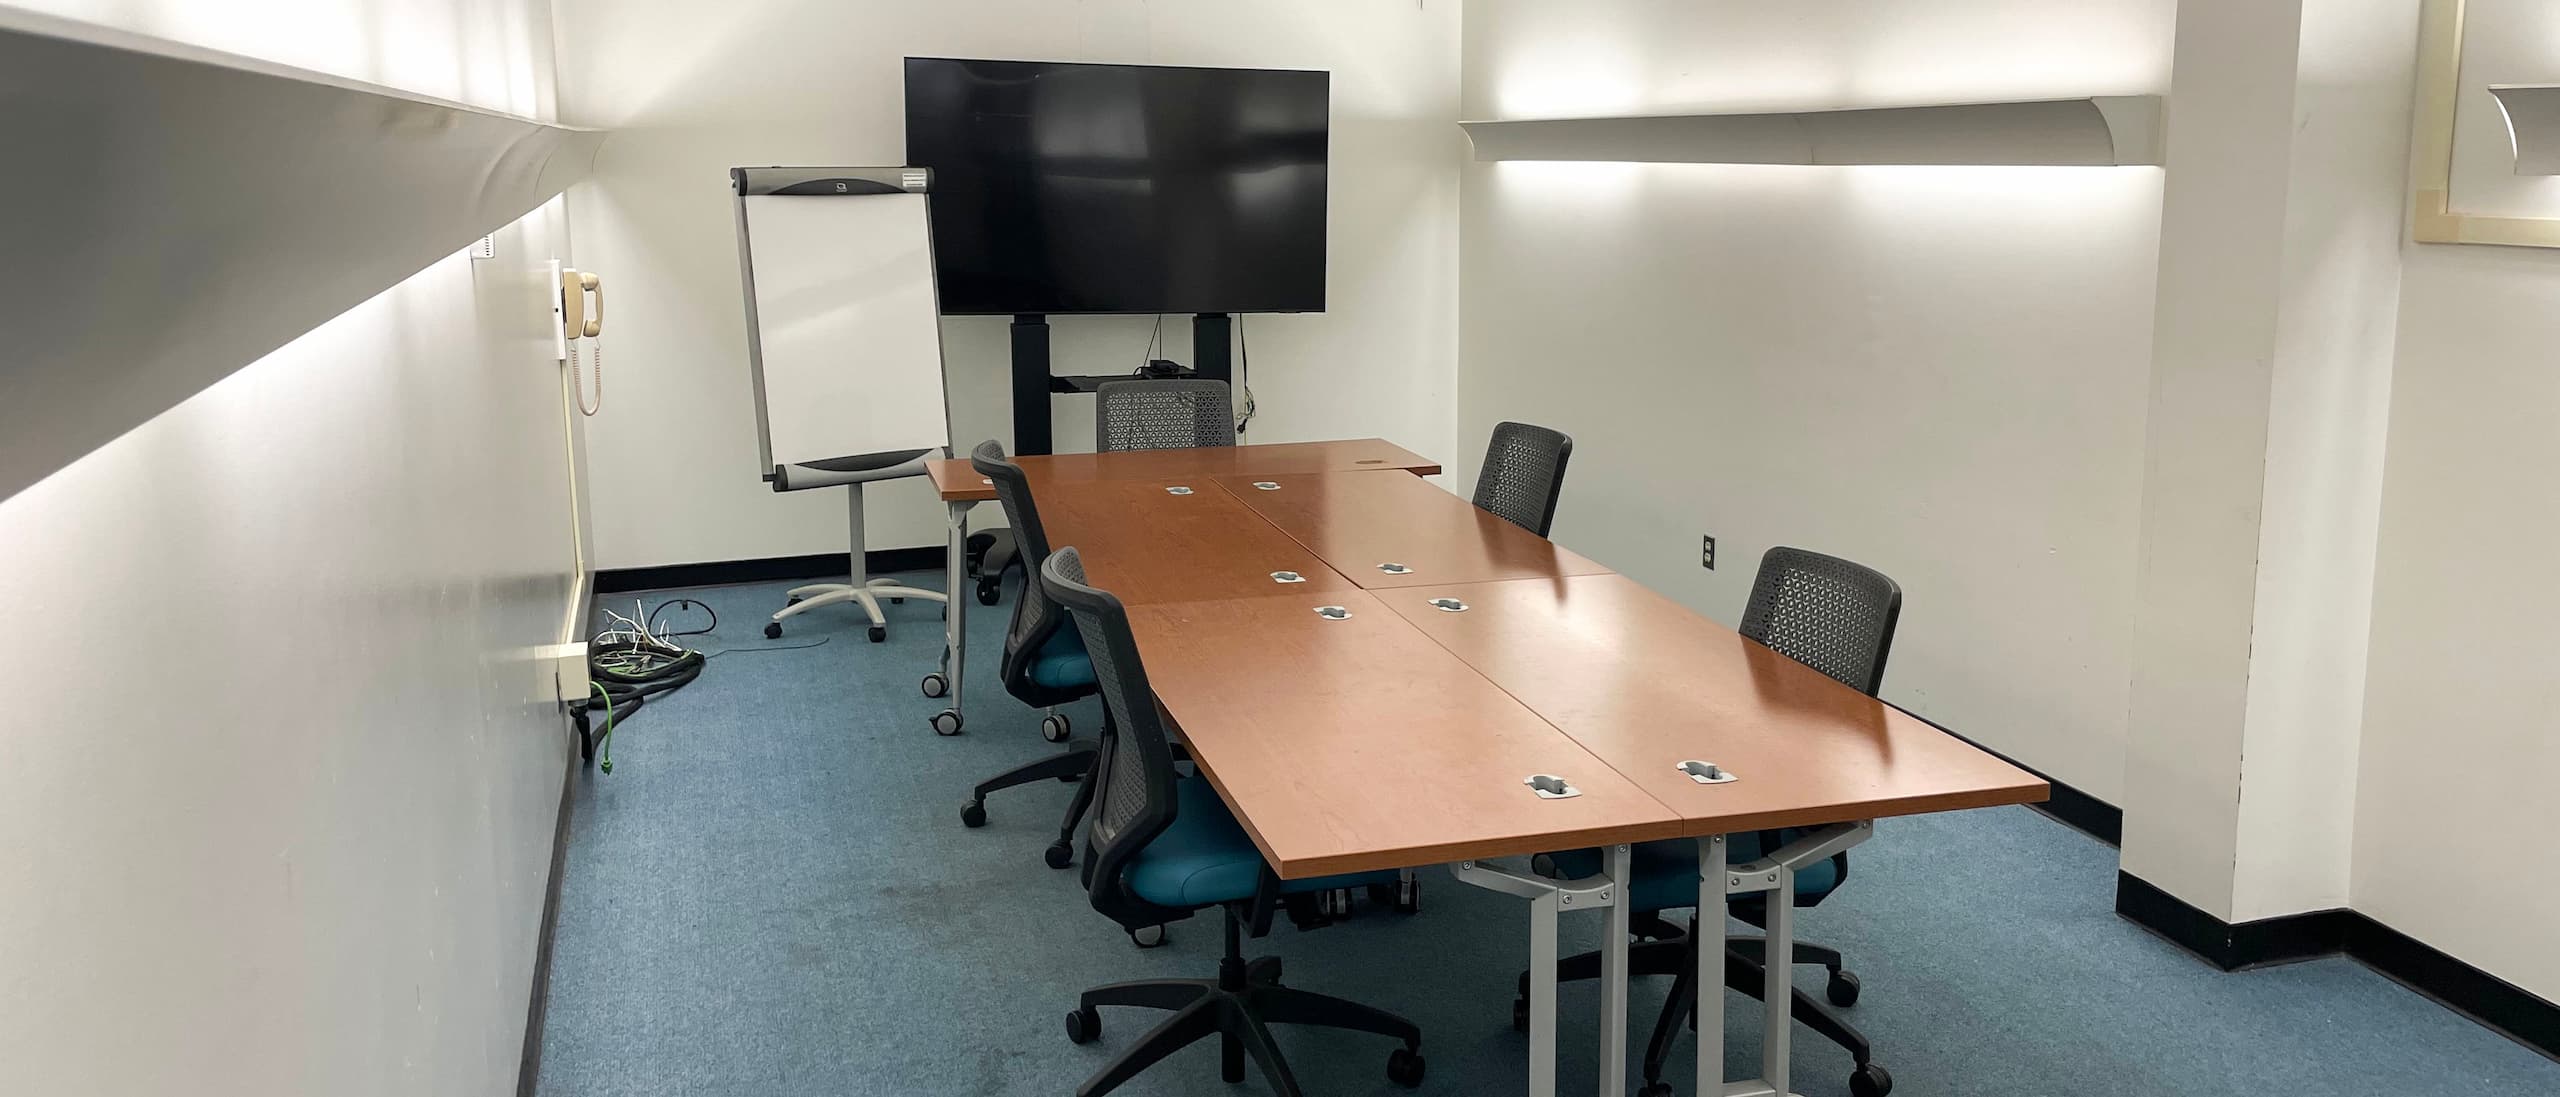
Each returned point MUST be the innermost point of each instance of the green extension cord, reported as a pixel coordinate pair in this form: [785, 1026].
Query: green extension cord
[606, 762]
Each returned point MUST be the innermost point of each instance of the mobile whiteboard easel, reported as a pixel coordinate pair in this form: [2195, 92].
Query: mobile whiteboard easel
[844, 344]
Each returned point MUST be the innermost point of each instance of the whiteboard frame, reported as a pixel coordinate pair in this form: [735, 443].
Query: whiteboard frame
[745, 183]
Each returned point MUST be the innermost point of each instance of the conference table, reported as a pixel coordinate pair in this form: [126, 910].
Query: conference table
[962, 489]
[1374, 674]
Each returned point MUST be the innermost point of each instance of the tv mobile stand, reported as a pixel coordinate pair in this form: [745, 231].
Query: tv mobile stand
[1212, 356]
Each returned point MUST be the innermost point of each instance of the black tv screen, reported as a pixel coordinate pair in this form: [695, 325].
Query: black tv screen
[1065, 188]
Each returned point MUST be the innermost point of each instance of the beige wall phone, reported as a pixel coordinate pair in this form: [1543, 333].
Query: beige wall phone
[578, 319]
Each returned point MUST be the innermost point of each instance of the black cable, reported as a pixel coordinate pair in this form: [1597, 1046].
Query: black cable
[1244, 375]
[651, 625]
[821, 642]
[1155, 338]
[623, 691]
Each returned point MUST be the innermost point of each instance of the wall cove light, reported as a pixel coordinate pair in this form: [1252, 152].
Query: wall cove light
[179, 213]
[2533, 125]
[2100, 131]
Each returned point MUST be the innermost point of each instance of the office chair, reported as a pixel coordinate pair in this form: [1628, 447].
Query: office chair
[1838, 618]
[1171, 414]
[1131, 414]
[851, 473]
[1162, 847]
[1044, 663]
[1523, 475]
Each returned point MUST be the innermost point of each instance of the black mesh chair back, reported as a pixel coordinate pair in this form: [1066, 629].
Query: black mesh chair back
[1034, 617]
[1523, 475]
[1825, 612]
[1136, 798]
[1171, 414]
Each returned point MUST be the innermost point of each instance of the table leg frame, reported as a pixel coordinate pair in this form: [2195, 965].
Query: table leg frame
[1775, 874]
[955, 614]
[1547, 899]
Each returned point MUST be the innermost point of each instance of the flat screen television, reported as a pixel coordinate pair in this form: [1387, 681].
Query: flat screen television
[1073, 188]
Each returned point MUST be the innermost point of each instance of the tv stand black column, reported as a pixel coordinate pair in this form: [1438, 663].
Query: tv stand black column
[1031, 384]
[1212, 356]
[1213, 346]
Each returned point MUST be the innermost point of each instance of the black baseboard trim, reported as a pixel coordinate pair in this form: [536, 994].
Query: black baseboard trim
[2225, 945]
[2067, 805]
[765, 570]
[2503, 1007]
[538, 1007]
[2496, 1004]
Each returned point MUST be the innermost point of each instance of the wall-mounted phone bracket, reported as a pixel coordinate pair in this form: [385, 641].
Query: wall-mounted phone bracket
[559, 314]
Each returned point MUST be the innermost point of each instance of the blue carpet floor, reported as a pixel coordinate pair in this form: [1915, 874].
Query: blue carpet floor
[772, 894]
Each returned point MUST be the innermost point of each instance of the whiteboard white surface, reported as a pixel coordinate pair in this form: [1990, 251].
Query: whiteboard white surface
[847, 328]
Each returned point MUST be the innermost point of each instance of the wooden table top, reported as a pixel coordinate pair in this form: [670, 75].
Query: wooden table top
[1147, 545]
[957, 482]
[1356, 522]
[1644, 684]
[1359, 744]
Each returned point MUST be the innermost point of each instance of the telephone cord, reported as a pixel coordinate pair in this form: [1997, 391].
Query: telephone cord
[579, 385]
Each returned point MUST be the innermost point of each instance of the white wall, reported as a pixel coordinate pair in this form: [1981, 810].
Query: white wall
[2454, 813]
[277, 781]
[693, 90]
[1937, 371]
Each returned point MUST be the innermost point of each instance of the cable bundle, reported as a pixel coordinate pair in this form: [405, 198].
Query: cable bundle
[631, 663]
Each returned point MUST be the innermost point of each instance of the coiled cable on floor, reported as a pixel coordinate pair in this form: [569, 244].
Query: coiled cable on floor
[626, 667]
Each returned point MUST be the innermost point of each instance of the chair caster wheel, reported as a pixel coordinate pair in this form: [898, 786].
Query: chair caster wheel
[879, 633]
[1404, 1067]
[946, 722]
[1147, 936]
[1053, 727]
[1059, 854]
[1519, 1015]
[1264, 969]
[1334, 904]
[773, 630]
[1655, 1089]
[989, 592]
[973, 814]
[935, 685]
[1403, 895]
[1084, 1025]
[1869, 1080]
[1842, 990]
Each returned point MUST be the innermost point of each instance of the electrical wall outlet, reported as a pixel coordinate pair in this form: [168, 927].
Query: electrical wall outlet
[1707, 552]
[566, 666]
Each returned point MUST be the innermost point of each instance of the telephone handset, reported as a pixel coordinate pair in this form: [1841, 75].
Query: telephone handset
[577, 321]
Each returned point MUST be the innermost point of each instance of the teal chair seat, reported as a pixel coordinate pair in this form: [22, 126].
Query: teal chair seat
[1061, 662]
[1205, 858]
[1667, 872]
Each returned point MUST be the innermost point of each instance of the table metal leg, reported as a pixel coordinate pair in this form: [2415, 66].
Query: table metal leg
[955, 617]
[1542, 995]
[1613, 978]
[1710, 978]
[1777, 986]
[1775, 874]
[1548, 898]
